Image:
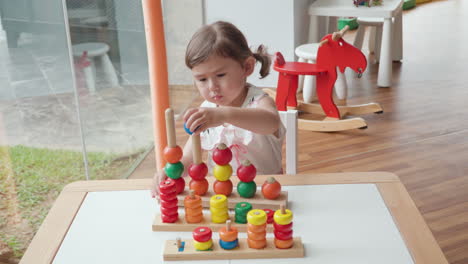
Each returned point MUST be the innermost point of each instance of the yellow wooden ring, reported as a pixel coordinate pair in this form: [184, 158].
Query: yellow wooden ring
[219, 219]
[216, 211]
[283, 219]
[256, 217]
[218, 201]
[202, 245]
[222, 172]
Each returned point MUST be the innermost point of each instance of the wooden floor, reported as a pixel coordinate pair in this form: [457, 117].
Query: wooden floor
[422, 135]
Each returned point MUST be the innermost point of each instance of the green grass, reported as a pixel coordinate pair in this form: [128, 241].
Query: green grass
[39, 176]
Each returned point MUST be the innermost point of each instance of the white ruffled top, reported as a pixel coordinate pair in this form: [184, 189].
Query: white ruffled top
[263, 151]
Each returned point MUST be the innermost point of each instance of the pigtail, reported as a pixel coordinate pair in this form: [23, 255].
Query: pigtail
[262, 56]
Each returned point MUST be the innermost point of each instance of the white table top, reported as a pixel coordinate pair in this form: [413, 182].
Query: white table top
[346, 8]
[339, 223]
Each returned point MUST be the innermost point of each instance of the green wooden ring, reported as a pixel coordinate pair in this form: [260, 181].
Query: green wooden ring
[174, 170]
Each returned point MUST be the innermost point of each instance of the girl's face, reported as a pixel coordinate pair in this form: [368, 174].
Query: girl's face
[222, 80]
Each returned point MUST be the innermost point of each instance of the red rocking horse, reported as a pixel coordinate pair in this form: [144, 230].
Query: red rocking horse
[334, 52]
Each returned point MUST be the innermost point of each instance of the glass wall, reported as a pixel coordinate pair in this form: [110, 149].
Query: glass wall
[75, 99]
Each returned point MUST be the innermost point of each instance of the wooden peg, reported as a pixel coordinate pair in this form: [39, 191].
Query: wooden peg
[192, 194]
[196, 149]
[170, 130]
[283, 210]
[179, 242]
[228, 225]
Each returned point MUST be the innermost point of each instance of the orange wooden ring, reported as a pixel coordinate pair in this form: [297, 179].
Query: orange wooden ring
[192, 202]
[284, 244]
[199, 186]
[172, 155]
[256, 228]
[256, 235]
[193, 211]
[228, 236]
[257, 244]
[191, 219]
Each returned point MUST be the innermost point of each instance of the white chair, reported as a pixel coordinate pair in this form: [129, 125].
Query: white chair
[96, 51]
[375, 37]
[308, 53]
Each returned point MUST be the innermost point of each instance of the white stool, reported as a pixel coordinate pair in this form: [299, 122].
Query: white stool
[375, 38]
[96, 51]
[308, 53]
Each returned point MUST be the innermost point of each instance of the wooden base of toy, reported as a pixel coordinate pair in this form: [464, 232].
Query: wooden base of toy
[333, 124]
[182, 226]
[171, 251]
[257, 201]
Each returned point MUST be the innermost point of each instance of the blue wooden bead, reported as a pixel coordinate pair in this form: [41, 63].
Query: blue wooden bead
[187, 130]
[229, 245]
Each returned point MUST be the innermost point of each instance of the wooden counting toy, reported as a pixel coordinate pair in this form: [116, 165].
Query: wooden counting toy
[198, 170]
[195, 217]
[246, 174]
[168, 197]
[283, 228]
[193, 208]
[229, 246]
[222, 155]
[219, 209]
[256, 229]
[228, 236]
[173, 153]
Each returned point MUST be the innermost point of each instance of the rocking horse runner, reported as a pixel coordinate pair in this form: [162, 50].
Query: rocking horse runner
[334, 52]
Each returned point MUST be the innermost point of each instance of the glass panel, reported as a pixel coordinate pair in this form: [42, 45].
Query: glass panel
[40, 134]
[40, 146]
[109, 51]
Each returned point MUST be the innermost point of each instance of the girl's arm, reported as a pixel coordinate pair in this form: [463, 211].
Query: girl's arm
[263, 119]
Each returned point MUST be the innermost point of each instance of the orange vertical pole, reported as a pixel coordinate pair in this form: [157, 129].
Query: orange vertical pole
[156, 49]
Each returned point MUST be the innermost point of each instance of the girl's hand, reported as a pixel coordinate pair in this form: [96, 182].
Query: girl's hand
[159, 176]
[201, 118]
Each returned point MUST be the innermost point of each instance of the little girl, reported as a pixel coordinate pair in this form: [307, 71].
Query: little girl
[234, 112]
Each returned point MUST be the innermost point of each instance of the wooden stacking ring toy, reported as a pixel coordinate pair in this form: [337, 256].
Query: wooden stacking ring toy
[218, 201]
[229, 244]
[222, 172]
[284, 244]
[203, 246]
[256, 217]
[172, 154]
[202, 234]
[257, 244]
[256, 228]
[283, 228]
[283, 218]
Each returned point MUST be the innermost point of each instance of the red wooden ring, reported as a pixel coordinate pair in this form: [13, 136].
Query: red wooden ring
[169, 211]
[283, 228]
[202, 234]
[169, 219]
[179, 185]
[168, 197]
[167, 186]
[270, 213]
[169, 204]
[198, 171]
[283, 235]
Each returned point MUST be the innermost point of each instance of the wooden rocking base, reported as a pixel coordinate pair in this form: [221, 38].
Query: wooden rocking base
[172, 252]
[333, 124]
[182, 226]
[257, 201]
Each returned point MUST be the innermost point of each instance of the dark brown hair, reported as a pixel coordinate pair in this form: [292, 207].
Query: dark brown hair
[224, 39]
